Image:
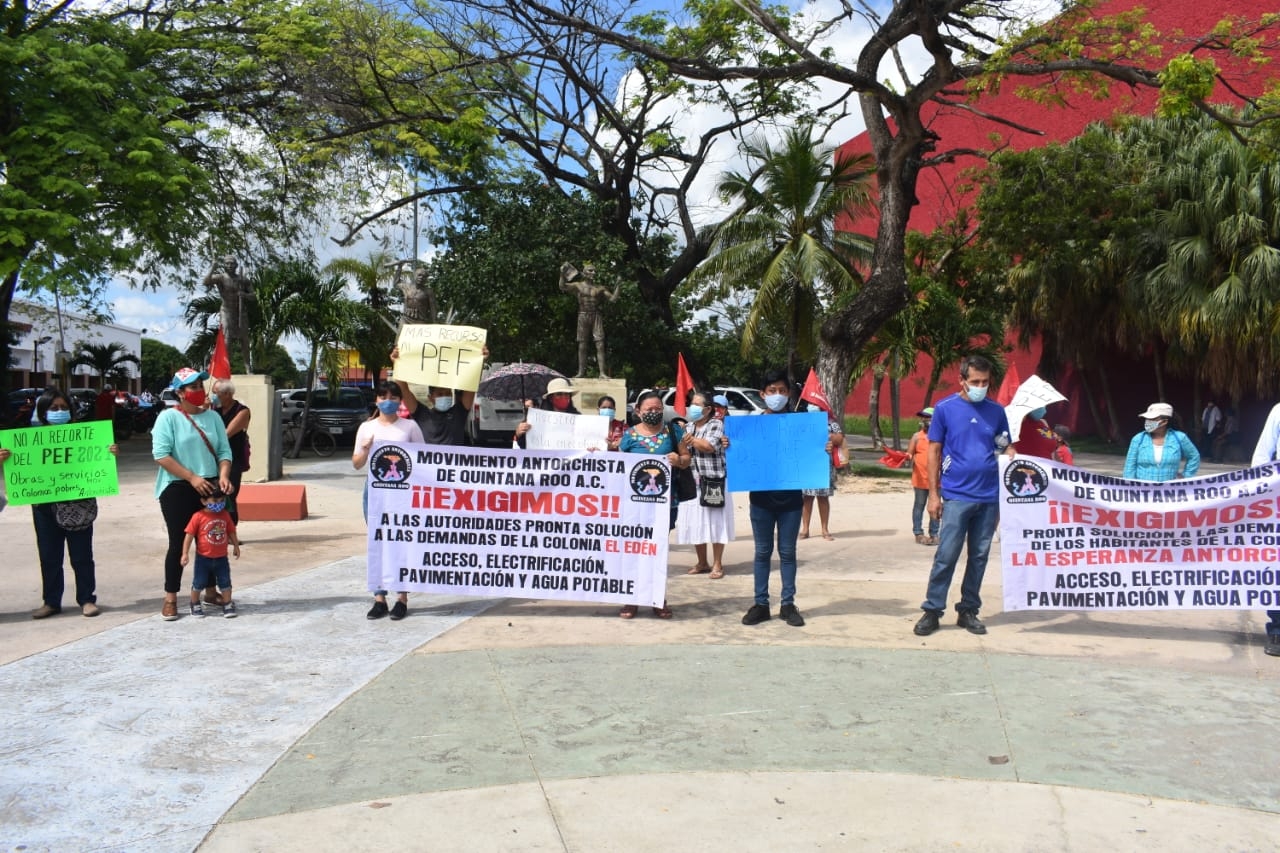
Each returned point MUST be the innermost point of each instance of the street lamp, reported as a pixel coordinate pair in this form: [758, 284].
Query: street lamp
[35, 352]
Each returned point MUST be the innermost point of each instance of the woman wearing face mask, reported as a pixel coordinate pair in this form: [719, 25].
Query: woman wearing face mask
[699, 525]
[189, 444]
[54, 408]
[1160, 452]
[652, 436]
[386, 425]
[559, 398]
[606, 407]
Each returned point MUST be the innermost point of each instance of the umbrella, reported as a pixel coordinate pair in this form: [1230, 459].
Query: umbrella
[517, 381]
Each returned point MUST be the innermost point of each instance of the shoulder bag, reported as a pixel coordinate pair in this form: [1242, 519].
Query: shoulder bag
[685, 487]
[76, 515]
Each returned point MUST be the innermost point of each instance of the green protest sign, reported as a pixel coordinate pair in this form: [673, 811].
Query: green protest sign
[59, 463]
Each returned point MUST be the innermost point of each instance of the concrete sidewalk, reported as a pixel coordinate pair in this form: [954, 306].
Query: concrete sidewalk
[515, 725]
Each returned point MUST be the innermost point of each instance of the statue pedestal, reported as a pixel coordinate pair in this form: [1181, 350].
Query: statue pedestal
[257, 392]
[591, 390]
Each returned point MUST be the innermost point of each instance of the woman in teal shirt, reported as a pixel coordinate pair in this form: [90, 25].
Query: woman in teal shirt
[1160, 453]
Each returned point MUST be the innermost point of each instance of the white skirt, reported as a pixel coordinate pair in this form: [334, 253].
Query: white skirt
[702, 525]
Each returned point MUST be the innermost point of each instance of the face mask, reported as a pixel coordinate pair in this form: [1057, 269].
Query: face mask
[444, 404]
[58, 416]
[216, 506]
[975, 395]
[559, 402]
[775, 402]
[651, 418]
[1151, 426]
[1037, 414]
[389, 407]
[196, 397]
[608, 413]
[694, 413]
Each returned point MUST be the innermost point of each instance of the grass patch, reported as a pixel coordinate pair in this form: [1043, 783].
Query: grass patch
[875, 469]
[1096, 444]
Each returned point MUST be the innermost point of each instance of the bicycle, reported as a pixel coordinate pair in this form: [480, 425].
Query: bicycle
[321, 442]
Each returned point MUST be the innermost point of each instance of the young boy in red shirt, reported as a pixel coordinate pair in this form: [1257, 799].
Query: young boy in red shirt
[211, 529]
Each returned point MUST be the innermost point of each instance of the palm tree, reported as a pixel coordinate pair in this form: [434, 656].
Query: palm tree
[106, 360]
[782, 243]
[373, 275]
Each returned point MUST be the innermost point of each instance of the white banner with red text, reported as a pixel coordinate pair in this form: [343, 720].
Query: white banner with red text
[571, 525]
[1071, 539]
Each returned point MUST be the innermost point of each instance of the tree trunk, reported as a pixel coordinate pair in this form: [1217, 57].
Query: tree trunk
[1110, 404]
[895, 405]
[1089, 400]
[7, 289]
[873, 407]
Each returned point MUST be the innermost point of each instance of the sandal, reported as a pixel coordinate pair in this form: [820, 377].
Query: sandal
[700, 569]
[932, 540]
[828, 537]
[921, 539]
[663, 612]
[628, 612]
[717, 573]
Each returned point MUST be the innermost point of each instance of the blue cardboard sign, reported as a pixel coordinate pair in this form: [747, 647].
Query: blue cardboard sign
[768, 452]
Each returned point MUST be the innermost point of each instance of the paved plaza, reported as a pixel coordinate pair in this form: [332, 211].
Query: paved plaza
[510, 725]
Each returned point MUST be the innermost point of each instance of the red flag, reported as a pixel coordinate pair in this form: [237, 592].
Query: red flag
[220, 365]
[1009, 385]
[812, 392]
[684, 384]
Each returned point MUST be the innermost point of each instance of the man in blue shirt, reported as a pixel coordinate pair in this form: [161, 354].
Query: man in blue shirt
[966, 436]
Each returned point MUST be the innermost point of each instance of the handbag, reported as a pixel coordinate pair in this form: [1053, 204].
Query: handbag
[76, 515]
[711, 492]
[685, 487]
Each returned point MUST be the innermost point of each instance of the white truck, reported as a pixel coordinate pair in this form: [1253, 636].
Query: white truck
[493, 422]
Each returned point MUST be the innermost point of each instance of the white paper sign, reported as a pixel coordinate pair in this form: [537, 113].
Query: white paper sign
[565, 431]
[1031, 395]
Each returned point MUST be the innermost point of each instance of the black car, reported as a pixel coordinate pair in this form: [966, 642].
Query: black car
[340, 416]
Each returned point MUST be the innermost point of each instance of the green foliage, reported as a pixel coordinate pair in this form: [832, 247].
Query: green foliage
[782, 245]
[159, 362]
[107, 361]
[502, 251]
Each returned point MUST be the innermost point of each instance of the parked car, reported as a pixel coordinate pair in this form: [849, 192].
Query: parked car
[492, 422]
[169, 397]
[341, 415]
[742, 401]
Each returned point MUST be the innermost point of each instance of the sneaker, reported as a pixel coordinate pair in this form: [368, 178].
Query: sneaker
[229, 610]
[89, 609]
[44, 611]
[971, 623]
[927, 625]
[377, 611]
[757, 614]
[1273, 645]
[197, 609]
[791, 614]
[398, 611]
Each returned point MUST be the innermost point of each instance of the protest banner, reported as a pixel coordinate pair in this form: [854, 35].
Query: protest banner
[1074, 540]
[443, 356]
[60, 463]
[778, 452]
[576, 526]
[565, 431]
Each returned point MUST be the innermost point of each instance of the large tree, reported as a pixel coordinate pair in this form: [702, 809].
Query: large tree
[968, 43]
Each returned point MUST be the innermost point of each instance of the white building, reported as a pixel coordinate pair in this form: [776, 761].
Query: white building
[43, 332]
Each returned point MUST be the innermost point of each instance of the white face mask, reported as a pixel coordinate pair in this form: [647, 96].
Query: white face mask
[693, 413]
[975, 394]
[444, 404]
[1151, 425]
[775, 402]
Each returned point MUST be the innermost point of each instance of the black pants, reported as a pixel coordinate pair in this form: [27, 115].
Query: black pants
[178, 502]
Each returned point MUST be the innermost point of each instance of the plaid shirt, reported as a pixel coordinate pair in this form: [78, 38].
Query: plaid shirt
[709, 464]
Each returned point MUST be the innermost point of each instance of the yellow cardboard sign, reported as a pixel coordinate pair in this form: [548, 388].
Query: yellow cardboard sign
[443, 356]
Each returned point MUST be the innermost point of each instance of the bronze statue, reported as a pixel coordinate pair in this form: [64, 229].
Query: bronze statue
[591, 297]
[235, 291]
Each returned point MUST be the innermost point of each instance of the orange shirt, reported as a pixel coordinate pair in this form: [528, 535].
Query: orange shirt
[920, 460]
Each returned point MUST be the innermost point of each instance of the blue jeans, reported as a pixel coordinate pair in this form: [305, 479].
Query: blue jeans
[208, 569]
[787, 522]
[50, 540]
[961, 521]
[917, 514]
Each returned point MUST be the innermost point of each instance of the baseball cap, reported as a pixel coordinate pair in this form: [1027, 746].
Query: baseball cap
[720, 400]
[187, 376]
[926, 412]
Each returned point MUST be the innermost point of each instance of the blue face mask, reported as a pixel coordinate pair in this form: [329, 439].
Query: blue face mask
[388, 407]
[1038, 413]
[216, 506]
[58, 416]
[693, 413]
[608, 413]
[443, 404]
[975, 395]
[775, 402]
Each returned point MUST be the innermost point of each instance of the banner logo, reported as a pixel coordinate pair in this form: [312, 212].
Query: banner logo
[1026, 482]
[650, 479]
[390, 466]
